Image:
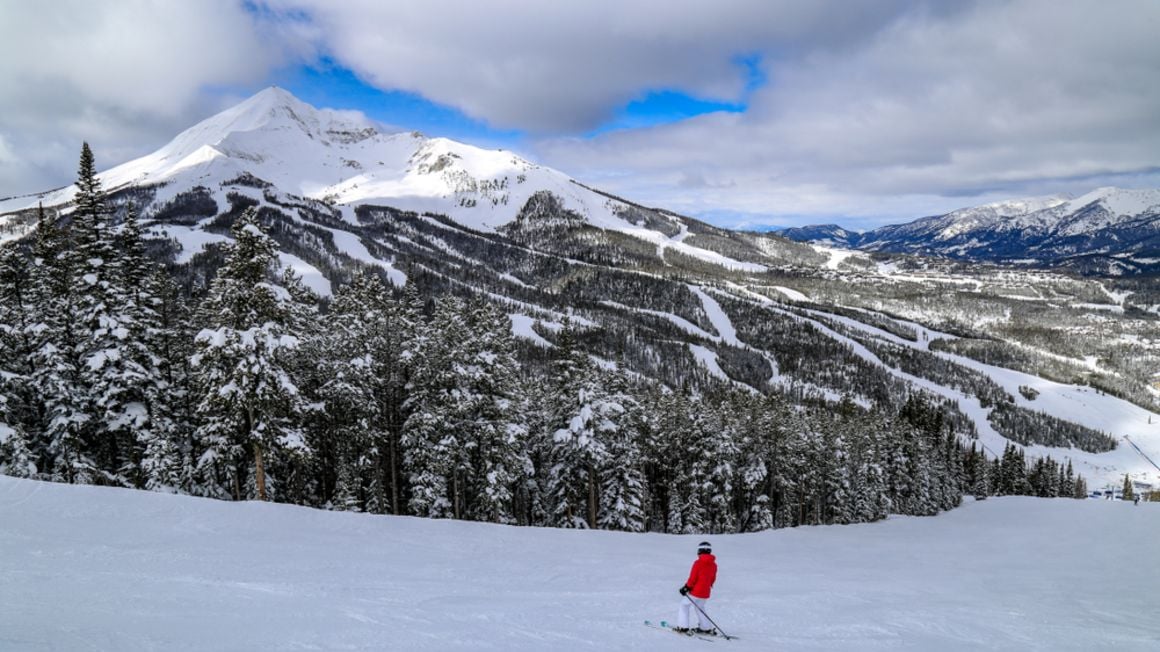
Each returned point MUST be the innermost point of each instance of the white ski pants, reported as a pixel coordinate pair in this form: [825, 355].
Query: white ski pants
[687, 611]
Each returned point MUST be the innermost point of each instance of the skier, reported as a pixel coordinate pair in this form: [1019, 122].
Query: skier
[696, 592]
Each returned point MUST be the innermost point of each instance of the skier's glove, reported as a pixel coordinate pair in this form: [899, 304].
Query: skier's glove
[684, 590]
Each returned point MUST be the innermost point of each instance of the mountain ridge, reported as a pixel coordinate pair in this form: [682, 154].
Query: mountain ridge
[1109, 230]
[345, 160]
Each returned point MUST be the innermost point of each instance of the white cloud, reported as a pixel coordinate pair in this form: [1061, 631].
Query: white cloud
[566, 66]
[930, 111]
[126, 75]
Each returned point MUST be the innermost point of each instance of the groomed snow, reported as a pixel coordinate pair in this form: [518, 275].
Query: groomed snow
[351, 245]
[93, 568]
[311, 276]
[192, 240]
[522, 326]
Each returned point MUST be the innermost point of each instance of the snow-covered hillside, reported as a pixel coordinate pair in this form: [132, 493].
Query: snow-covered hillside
[90, 568]
[344, 159]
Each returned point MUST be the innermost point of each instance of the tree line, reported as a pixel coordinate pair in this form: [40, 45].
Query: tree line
[394, 402]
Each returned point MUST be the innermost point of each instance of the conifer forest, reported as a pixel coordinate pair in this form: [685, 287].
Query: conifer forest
[233, 381]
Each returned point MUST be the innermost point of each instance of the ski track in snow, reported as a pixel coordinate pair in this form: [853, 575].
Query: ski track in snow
[311, 277]
[676, 239]
[351, 245]
[718, 318]
[96, 568]
[676, 320]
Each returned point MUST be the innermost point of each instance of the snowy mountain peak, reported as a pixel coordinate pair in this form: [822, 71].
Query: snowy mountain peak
[275, 108]
[274, 112]
[1119, 201]
[344, 159]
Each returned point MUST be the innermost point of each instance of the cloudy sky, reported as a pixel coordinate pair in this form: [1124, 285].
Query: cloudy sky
[743, 112]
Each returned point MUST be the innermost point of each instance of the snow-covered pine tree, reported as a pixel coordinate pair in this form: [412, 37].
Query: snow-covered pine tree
[531, 496]
[340, 372]
[293, 464]
[784, 427]
[173, 410]
[53, 336]
[720, 455]
[835, 497]
[248, 402]
[982, 483]
[496, 425]
[955, 481]
[874, 504]
[753, 477]
[857, 507]
[17, 403]
[135, 399]
[1081, 490]
[435, 439]
[687, 466]
[580, 415]
[1067, 482]
[622, 483]
[399, 332]
[105, 375]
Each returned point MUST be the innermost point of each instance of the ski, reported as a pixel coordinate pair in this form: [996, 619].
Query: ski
[667, 627]
[664, 624]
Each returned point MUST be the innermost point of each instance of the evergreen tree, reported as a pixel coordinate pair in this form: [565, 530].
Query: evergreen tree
[753, 477]
[168, 462]
[17, 401]
[582, 417]
[497, 429]
[982, 483]
[689, 468]
[1081, 488]
[622, 482]
[102, 377]
[58, 438]
[247, 400]
[338, 374]
[436, 439]
[121, 372]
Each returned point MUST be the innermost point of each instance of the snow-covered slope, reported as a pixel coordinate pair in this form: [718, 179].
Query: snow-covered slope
[344, 159]
[91, 568]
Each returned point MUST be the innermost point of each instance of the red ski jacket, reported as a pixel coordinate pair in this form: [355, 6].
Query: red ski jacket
[702, 576]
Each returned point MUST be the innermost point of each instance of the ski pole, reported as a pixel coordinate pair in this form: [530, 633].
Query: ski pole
[707, 616]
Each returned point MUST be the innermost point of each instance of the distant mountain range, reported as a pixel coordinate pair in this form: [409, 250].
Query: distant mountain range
[1112, 231]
